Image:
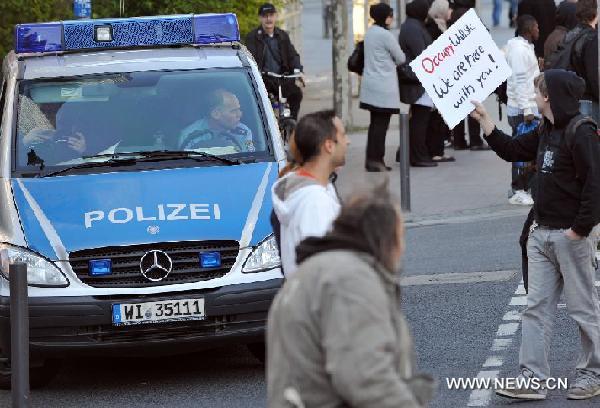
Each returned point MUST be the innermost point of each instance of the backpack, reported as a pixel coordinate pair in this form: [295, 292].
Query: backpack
[569, 52]
[356, 61]
[574, 124]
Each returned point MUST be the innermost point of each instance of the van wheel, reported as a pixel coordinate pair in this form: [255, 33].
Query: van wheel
[39, 376]
[258, 350]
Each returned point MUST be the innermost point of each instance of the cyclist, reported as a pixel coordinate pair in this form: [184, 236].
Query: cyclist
[274, 52]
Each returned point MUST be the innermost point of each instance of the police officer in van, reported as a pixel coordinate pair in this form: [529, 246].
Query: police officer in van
[220, 128]
[274, 52]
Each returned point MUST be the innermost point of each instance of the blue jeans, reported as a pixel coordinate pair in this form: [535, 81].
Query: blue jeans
[521, 172]
[498, 10]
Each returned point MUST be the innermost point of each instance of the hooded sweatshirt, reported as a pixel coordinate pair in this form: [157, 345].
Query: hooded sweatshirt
[567, 185]
[304, 208]
[520, 89]
[565, 22]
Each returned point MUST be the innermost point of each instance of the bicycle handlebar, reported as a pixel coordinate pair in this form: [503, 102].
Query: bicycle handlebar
[284, 76]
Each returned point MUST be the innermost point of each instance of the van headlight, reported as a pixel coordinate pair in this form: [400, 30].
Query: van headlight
[40, 272]
[264, 257]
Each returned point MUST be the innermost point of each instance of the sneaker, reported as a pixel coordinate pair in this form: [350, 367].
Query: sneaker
[587, 385]
[526, 388]
[521, 197]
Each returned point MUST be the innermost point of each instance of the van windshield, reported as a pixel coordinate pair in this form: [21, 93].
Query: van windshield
[67, 122]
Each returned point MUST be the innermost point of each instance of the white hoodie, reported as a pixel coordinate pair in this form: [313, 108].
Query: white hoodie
[520, 89]
[304, 208]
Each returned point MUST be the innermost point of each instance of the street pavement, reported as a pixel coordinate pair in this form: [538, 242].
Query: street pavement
[461, 293]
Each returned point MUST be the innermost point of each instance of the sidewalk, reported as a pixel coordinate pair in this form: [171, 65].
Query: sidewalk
[477, 183]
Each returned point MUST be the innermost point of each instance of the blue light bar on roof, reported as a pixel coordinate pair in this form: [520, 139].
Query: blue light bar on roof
[42, 37]
[126, 32]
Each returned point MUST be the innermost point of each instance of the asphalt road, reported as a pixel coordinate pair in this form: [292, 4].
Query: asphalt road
[454, 325]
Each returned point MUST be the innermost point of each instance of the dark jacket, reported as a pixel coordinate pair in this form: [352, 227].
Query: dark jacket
[566, 20]
[256, 45]
[567, 186]
[544, 12]
[414, 38]
[588, 67]
[433, 29]
[555, 38]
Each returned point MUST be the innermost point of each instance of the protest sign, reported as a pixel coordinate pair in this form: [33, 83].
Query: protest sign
[462, 65]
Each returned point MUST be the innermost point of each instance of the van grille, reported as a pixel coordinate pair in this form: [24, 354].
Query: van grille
[126, 263]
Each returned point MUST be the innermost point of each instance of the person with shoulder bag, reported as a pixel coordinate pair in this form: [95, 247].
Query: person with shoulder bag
[379, 92]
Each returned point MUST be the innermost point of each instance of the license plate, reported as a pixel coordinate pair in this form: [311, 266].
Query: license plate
[155, 312]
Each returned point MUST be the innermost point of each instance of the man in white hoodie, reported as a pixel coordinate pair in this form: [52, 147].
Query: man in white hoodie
[521, 106]
[305, 201]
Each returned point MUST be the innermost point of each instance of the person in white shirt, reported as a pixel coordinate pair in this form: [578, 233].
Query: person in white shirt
[305, 201]
[521, 106]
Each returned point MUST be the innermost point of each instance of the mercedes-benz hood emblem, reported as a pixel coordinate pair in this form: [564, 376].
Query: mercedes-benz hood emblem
[156, 265]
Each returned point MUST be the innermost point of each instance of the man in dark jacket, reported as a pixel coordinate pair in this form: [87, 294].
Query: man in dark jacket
[585, 60]
[562, 239]
[414, 39]
[274, 52]
[544, 12]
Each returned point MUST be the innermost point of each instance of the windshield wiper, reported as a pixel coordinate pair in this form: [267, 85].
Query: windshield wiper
[158, 155]
[109, 163]
[131, 158]
[185, 154]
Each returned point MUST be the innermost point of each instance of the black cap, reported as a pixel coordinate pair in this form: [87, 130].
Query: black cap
[266, 8]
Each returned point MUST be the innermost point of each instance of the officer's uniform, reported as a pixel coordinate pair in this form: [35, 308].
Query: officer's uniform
[199, 135]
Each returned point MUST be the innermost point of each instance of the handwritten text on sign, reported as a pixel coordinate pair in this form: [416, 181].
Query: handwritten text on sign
[462, 65]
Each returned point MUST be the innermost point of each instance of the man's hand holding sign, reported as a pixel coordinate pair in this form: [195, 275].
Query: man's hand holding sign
[462, 65]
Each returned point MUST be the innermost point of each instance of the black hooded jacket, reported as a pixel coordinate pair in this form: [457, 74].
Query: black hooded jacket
[414, 39]
[567, 185]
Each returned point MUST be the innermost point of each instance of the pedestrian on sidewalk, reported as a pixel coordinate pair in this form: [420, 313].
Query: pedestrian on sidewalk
[497, 11]
[414, 39]
[460, 7]
[379, 92]
[521, 106]
[305, 200]
[437, 24]
[336, 336]
[560, 247]
[585, 60]
[566, 20]
[544, 12]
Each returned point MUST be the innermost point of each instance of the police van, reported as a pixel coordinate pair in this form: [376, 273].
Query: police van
[137, 157]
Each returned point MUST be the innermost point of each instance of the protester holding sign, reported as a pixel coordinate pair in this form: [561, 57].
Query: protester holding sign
[379, 92]
[561, 242]
[521, 106]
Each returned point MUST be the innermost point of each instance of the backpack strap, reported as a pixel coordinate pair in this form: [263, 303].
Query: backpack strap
[573, 125]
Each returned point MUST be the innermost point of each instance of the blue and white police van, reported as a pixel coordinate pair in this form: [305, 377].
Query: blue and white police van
[136, 161]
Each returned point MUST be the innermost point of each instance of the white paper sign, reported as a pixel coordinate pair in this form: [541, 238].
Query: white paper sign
[462, 65]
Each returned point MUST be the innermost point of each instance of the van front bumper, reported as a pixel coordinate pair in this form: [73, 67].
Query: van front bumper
[63, 325]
